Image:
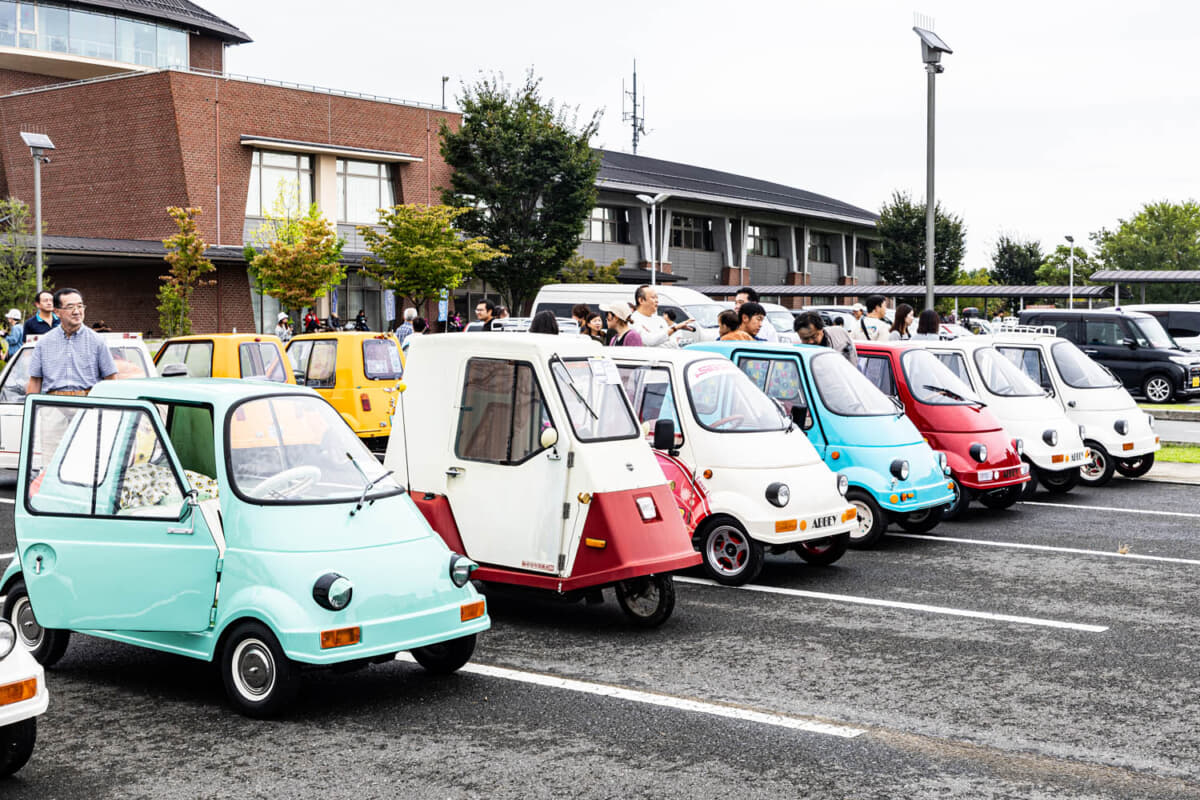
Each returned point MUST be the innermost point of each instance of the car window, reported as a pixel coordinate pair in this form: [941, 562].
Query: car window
[594, 397]
[1002, 377]
[932, 382]
[1148, 332]
[298, 353]
[1104, 332]
[261, 360]
[652, 394]
[502, 414]
[724, 400]
[321, 372]
[878, 370]
[779, 378]
[1078, 370]
[957, 364]
[1183, 323]
[195, 356]
[1066, 328]
[130, 361]
[17, 378]
[846, 391]
[381, 360]
[1030, 361]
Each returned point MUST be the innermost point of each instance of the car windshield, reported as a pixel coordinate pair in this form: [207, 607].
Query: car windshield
[781, 320]
[381, 360]
[294, 449]
[595, 400]
[846, 391]
[130, 361]
[1002, 377]
[1149, 332]
[705, 314]
[1078, 370]
[723, 399]
[932, 382]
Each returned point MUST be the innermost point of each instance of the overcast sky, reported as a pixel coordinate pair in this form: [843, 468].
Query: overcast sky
[1053, 118]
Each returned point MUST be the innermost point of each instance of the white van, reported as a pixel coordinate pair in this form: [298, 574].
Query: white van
[1181, 320]
[562, 297]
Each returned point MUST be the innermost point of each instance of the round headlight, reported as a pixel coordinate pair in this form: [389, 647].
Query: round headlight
[778, 494]
[1050, 437]
[8, 638]
[461, 568]
[333, 591]
[1121, 427]
[1019, 446]
[843, 485]
[979, 452]
[900, 469]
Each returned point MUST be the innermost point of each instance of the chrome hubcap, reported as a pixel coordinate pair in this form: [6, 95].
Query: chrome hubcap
[27, 627]
[253, 669]
[1158, 390]
[865, 520]
[1095, 467]
[728, 550]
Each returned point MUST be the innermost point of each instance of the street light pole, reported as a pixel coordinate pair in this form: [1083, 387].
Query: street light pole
[38, 144]
[932, 48]
[1071, 291]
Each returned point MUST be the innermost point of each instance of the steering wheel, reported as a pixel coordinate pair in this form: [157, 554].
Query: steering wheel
[289, 482]
[733, 418]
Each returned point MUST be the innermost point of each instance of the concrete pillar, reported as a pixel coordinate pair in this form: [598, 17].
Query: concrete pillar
[790, 245]
[664, 237]
[325, 192]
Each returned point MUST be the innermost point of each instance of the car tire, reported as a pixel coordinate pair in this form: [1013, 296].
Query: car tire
[16, 745]
[1099, 468]
[922, 521]
[648, 601]
[956, 507]
[446, 657]
[1058, 481]
[731, 557]
[260, 680]
[1000, 499]
[1135, 467]
[824, 551]
[46, 644]
[1158, 388]
[872, 520]
[1029, 489]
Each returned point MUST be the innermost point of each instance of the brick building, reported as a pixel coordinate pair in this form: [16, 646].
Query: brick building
[134, 96]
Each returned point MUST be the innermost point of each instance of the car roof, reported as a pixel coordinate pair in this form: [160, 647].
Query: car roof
[726, 347]
[1148, 307]
[231, 337]
[220, 392]
[533, 346]
[1079, 312]
[340, 335]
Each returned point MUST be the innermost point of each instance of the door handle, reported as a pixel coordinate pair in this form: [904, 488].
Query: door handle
[1090, 352]
[184, 531]
[454, 472]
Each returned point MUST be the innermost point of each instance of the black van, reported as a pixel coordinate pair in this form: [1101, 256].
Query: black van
[1133, 346]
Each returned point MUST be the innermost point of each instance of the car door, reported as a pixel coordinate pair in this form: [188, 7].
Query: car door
[1103, 338]
[107, 536]
[12, 406]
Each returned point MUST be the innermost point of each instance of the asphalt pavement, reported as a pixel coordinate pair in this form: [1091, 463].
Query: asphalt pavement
[1046, 651]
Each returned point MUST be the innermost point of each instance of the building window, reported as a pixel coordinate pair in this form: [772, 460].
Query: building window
[691, 233]
[91, 34]
[864, 253]
[283, 178]
[820, 247]
[758, 243]
[364, 187]
[607, 225]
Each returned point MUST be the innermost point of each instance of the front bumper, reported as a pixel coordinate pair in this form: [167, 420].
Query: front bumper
[20, 666]
[934, 491]
[784, 530]
[993, 477]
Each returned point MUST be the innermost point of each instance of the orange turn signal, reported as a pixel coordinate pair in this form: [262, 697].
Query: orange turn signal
[849, 514]
[16, 692]
[469, 611]
[340, 637]
[1129, 445]
[1057, 459]
[785, 525]
[599, 544]
[895, 498]
[835, 455]
[708, 473]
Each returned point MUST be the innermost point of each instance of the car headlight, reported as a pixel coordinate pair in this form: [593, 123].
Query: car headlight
[1121, 426]
[461, 568]
[899, 468]
[943, 462]
[1181, 360]
[843, 484]
[1019, 446]
[1050, 437]
[333, 591]
[778, 494]
[647, 508]
[978, 452]
[8, 638]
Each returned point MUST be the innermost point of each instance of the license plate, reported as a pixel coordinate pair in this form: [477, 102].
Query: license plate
[1077, 455]
[1195, 382]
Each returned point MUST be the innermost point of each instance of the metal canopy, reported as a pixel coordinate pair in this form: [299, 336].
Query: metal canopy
[1146, 275]
[913, 291]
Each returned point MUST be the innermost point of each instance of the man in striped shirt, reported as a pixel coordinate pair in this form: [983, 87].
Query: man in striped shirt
[71, 358]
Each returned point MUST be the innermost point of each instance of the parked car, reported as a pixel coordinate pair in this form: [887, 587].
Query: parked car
[1051, 444]
[230, 521]
[23, 697]
[1132, 345]
[984, 462]
[733, 459]
[129, 353]
[358, 372]
[683, 302]
[1119, 436]
[226, 355]
[523, 453]
[891, 473]
[782, 320]
[1181, 321]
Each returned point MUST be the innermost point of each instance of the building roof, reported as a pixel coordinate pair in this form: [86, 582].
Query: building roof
[639, 173]
[912, 291]
[87, 248]
[1146, 275]
[181, 12]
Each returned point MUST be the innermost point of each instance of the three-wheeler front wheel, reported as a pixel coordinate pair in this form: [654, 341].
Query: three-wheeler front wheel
[825, 551]
[46, 644]
[446, 657]
[1135, 467]
[922, 521]
[1002, 498]
[648, 600]
[872, 520]
[962, 498]
[1099, 468]
[731, 557]
[1058, 481]
[260, 680]
[16, 745]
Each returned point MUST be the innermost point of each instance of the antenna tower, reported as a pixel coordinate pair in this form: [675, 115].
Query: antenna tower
[638, 121]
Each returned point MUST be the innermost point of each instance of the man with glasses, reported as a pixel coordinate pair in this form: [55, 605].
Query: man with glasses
[811, 330]
[71, 358]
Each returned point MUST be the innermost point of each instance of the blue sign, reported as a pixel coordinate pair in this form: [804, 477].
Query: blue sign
[444, 306]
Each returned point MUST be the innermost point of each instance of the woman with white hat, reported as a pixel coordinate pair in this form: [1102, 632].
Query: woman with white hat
[283, 328]
[619, 317]
[15, 335]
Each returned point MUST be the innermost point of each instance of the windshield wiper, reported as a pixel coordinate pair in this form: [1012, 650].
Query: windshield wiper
[368, 484]
[571, 383]
[953, 395]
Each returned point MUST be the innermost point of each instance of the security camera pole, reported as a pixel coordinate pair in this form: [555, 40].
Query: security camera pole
[38, 144]
[932, 48]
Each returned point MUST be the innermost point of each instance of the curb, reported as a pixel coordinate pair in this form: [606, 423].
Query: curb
[1173, 414]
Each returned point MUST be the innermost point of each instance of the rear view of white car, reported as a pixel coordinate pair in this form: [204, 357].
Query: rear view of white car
[23, 697]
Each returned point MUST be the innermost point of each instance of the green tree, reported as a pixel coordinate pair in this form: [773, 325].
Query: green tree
[418, 253]
[1056, 267]
[185, 255]
[962, 277]
[526, 171]
[18, 264]
[584, 270]
[901, 255]
[1015, 262]
[295, 258]
[1162, 235]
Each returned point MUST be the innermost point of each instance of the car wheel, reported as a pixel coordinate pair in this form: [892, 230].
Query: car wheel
[872, 520]
[260, 679]
[731, 557]
[46, 644]
[1135, 467]
[1158, 388]
[1058, 481]
[1099, 468]
[648, 600]
[825, 551]
[446, 657]
[962, 498]
[922, 521]
[998, 499]
[16, 745]
[1029, 489]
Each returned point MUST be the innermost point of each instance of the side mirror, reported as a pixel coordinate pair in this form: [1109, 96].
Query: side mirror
[664, 434]
[549, 438]
[801, 417]
[298, 374]
[1050, 392]
[1130, 343]
[174, 371]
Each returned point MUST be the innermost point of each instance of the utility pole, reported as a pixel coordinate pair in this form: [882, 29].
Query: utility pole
[639, 122]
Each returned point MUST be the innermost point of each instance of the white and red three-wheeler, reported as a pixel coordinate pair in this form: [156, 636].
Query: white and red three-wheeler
[523, 452]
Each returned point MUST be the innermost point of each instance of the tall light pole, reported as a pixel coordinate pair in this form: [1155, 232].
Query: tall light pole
[653, 202]
[932, 48]
[444, 79]
[1071, 291]
[38, 144]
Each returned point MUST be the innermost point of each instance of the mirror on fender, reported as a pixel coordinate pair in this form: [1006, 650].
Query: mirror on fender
[664, 434]
[549, 438]
[801, 417]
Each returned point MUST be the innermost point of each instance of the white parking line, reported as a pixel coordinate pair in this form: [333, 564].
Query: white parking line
[8, 500]
[661, 700]
[1109, 508]
[1050, 548]
[871, 601]
[6, 555]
